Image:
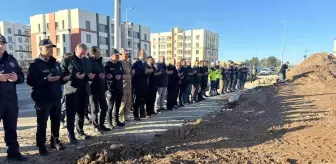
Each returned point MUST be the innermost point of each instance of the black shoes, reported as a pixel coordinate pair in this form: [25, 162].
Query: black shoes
[43, 151]
[57, 145]
[137, 119]
[119, 124]
[104, 128]
[98, 131]
[16, 156]
[73, 141]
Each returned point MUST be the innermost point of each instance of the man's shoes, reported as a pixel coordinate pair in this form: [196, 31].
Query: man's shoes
[43, 151]
[175, 106]
[109, 126]
[137, 119]
[63, 125]
[84, 136]
[57, 145]
[16, 156]
[120, 124]
[149, 116]
[181, 105]
[169, 108]
[98, 131]
[142, 116]
[104, 128]
[73, 141]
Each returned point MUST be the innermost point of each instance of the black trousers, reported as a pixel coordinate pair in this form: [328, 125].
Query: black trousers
[150, 100]
[172, 92]
[99, 108]
[139, 101]
[63, 110]
[43, 111]
[113, 102]
[9, 112]
[76, 104]
[182, 90]
[227, 84]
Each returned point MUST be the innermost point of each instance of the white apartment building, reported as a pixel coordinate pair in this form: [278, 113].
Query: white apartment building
[69, 27]
[18, 40]
[192, 45]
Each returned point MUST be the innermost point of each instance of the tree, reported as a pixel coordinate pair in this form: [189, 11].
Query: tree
[254, 61]
[263, 62]
[272, 61]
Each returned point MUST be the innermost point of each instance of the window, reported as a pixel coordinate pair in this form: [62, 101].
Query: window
[197, 44]
[102, 40]
[88, 26]
[129, 33]
[112, 28]
[39, 28]
[20, 48]
[145, 37]
[26, 32]
[64, 50]
[129, 44]
[26, 40]
[88, 38]
[57, 39]
[19, 32]
[47, 26]
[58, 51]
[197, 51]
[27, 48]
[56, 26]
[20, 40]
[63, 26]
[102, 28]
[146, 47]
[112, 40]
[10, 39]
[10, 47]
[154, 39]
[9, 30]
[197, 37]
[154, 46]
[63, 37]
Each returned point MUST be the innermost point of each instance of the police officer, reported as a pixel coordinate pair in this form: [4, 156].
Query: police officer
[173, 84]
[45, 77]
[114, 71]
[77, 90]
[98, 87]
[139, 69]
[126, 101]
[10, 75]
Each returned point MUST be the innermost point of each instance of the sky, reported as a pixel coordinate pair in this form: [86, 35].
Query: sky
[246, 28]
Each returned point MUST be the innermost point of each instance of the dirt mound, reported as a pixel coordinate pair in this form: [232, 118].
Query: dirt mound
[318, 69]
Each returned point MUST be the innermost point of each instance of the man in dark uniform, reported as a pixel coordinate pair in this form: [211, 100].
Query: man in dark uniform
[201, 74]
[196, 81]
[114, 71]
[45, 77]
[205, 78]
[77, 90]
[151, 87]
[10, 75]
[235, 77]
[63, 108]
[188, 74]
[282, 72]
[231, 73]
[242, 77]
[98, 87]
[140, 70]
[173, 84]
[161, 83]
[224, 71]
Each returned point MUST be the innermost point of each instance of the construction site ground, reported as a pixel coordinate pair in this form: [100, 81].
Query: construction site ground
[291, 122]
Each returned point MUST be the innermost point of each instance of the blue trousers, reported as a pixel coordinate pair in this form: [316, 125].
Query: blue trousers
[187, 93]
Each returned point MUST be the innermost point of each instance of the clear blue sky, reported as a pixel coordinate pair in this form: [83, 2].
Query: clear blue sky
[246, 28]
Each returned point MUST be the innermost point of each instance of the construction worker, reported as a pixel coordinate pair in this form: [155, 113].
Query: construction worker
[10, 75]
[126, 101]
[77, 90]
[213, 79]
[114, 71]
[218, 76]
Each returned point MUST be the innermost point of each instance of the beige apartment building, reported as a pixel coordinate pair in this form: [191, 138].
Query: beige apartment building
[66, 28]
[18, 41]
[192, 45]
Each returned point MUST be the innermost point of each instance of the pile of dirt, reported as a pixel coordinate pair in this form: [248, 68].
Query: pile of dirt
[319, 69]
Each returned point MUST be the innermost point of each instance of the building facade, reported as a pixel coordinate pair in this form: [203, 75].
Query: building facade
[69, 27]
[192, 45]
[18, 41]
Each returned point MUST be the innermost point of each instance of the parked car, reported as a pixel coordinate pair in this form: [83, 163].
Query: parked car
[265, 71]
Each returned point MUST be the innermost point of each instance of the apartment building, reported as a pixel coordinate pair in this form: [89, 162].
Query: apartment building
[199, 44]
[69, 27]
[18, 39]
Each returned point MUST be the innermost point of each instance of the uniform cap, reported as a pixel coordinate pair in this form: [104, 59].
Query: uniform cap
[47, 43]
[3, 39]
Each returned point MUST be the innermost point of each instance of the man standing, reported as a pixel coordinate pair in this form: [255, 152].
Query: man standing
[45, 77]
[98, 87]
[10, 75]
[77, 90]
[188, 74]
[282, 72]
[196, 81]
[114, 71]
[253, 73]
[161, 82]
[140, 70]
[173, 84]
[126, 101]
[205, 78]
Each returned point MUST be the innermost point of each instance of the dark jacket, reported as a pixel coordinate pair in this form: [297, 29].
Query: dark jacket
[242, 73]
[205, 76]
[43, 90]
[139, 79]
[72, 65]
[97, 85]
[283, 69]
[189, 72]
[151, 78]
[114, 69]
[173, 79]
[8, 64]
[195, 76]
[231, 72]
[162, 79]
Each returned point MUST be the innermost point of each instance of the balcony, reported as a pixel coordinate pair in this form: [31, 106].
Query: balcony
[28, 51]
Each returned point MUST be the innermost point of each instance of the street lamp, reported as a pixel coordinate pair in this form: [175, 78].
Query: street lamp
[283, 40]
[126, 26]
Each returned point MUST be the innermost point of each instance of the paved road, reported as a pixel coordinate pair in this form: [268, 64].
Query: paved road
[26, 104]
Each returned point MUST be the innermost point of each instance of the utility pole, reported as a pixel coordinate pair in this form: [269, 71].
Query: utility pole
[117, 4]
[283, 40]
